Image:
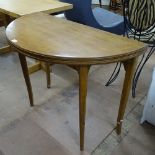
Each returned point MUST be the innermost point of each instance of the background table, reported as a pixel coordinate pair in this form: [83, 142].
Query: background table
[75, 45]
[17, 8]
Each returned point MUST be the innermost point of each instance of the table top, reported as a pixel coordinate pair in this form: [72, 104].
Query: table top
[17, 8]
[49, 38]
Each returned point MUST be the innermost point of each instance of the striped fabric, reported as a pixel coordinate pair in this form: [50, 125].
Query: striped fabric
[142, 13]
[141, 19]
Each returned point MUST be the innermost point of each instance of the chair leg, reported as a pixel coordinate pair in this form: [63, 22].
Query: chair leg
[114, 74]
[83, 78]
[129, 66]
[24, 66]
[139, 70]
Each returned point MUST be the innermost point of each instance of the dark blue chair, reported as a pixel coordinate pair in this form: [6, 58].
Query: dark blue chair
[99, 18]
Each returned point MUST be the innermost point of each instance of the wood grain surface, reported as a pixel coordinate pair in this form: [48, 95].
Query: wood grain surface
[48, 38]
[17, 8]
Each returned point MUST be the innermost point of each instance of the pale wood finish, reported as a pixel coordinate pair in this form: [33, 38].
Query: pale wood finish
[35, 67]
[58, 41]
[5, 49]
[17, 8]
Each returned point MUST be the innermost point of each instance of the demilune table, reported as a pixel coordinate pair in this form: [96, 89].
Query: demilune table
[59, 41]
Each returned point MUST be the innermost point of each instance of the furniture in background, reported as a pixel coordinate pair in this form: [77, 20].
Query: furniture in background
[100, 2]
[149, 107]
[113, 4]
[1, 20]
[11, 9]
[139, 21]
[4, 48]
[17, 8]
[77, 51]
[98, 17]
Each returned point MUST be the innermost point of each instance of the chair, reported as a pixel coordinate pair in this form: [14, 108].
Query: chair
[139, 22]
[82, 12]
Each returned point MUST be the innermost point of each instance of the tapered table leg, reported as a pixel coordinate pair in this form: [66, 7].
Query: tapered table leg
[46, 67]
[48, 76]
[26, 76]
[129, 66]
[83, 78]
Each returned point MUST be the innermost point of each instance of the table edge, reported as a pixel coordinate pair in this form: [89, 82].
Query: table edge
[80, 61]
[49, 11]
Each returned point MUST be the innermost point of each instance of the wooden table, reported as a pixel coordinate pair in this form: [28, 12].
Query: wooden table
[58, 41]
[18, 8]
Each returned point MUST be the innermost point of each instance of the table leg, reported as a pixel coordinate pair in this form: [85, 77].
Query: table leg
[48, 76]
[6, 20]
[83, 78]
[129, 66]
[26, 76]
[46, 67]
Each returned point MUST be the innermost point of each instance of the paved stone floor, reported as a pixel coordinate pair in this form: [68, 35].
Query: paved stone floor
[53, 121]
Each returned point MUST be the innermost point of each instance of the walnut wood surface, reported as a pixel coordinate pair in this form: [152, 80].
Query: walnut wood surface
[17, 8]
[67, 42]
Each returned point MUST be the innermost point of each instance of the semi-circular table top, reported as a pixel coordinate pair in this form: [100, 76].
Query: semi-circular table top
[49, 38]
